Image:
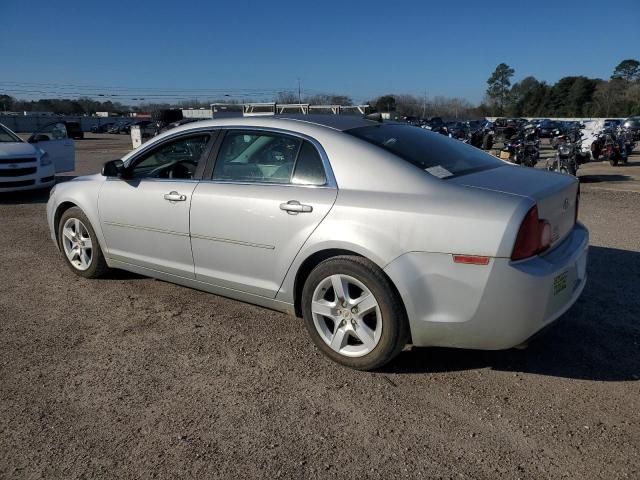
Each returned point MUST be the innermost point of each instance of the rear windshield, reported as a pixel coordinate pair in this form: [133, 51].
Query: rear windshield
[434, 153]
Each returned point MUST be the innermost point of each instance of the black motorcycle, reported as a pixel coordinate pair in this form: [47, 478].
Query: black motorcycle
[481, 138]
[569, 155]
[607, 146]
[522, 148]
[520, 152]
[627, 140]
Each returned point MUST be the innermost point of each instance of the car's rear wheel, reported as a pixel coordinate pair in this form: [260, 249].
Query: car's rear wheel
[353, 313]
[79, 244]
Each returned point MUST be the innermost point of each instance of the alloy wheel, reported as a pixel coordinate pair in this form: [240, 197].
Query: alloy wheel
[77, 244]
[346, 315]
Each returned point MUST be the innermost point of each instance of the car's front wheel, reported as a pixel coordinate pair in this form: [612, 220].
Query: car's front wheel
[353, 313]
[79, 244]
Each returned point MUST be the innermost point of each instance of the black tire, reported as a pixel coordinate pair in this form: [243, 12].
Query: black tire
[486, 142]
[395, 327]
[98, 265]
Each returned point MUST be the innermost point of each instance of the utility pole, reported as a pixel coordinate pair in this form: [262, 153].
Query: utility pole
[299, 96]
[424, 105]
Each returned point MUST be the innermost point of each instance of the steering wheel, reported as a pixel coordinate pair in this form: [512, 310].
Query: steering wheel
[166, 170]
[182, 168]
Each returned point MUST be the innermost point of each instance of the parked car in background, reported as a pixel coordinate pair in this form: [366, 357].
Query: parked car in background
[103, 128]
[547, 127]
[143, 124]
[74, 130]
[458, 130]
[119, 127]
[33, 165]
[374, 233]
[434, 123]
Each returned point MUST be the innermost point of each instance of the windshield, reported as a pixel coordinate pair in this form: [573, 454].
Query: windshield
[7, 135]
[434, 153]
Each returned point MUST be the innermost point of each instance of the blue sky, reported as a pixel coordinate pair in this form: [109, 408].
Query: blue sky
[362, 49]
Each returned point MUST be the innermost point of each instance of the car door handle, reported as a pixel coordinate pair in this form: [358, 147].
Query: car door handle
[175, 197]
[293, 207]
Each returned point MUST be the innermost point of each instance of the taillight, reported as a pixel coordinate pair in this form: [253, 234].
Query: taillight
[533, 237]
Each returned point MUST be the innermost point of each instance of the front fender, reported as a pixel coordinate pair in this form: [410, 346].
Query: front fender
[82, 192]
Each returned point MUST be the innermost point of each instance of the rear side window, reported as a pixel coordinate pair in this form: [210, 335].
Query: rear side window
[434, 153]
[261, 157]
[268, 157]
[309, 169]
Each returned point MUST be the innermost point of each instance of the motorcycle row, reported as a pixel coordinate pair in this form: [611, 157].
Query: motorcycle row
[613, 145]
[574, 144]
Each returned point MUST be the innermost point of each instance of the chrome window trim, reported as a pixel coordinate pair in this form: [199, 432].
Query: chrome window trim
[151, 179]
[271, 184]
[331, 179]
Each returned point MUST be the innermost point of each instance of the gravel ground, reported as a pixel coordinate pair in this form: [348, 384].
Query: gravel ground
[128, 377]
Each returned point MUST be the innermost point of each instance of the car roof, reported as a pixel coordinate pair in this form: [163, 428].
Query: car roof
[336, 122]
[295, 122]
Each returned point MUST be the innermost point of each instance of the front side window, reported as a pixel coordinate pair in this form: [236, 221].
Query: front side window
[175, 160]
[436, 154]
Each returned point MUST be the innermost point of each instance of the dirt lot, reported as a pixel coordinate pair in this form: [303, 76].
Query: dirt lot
[128, 377]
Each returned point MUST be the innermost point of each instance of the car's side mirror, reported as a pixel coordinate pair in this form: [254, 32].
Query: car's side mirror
[113, 168]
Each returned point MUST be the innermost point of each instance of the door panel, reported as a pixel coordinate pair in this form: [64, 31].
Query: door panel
[54, 139]
[143, 227]
[241, 237]
[62, 154]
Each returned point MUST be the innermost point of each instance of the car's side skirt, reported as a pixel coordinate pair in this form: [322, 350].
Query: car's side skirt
[266, 302]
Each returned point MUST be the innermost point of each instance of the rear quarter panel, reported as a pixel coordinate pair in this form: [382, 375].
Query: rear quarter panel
[443, 218]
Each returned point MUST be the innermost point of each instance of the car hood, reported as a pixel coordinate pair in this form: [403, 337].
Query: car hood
[16, 149]
[89, 178]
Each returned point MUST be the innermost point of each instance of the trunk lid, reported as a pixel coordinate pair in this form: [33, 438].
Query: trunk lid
[554, 193]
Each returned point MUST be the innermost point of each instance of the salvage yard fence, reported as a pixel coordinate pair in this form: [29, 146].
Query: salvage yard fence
[32, 123]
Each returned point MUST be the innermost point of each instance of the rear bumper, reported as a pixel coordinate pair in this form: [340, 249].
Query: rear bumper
[491, 307]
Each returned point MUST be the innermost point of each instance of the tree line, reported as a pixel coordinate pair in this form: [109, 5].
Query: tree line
[573, 96]
[65, 106]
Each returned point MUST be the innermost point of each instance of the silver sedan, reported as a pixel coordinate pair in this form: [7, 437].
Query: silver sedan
[376, 234]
